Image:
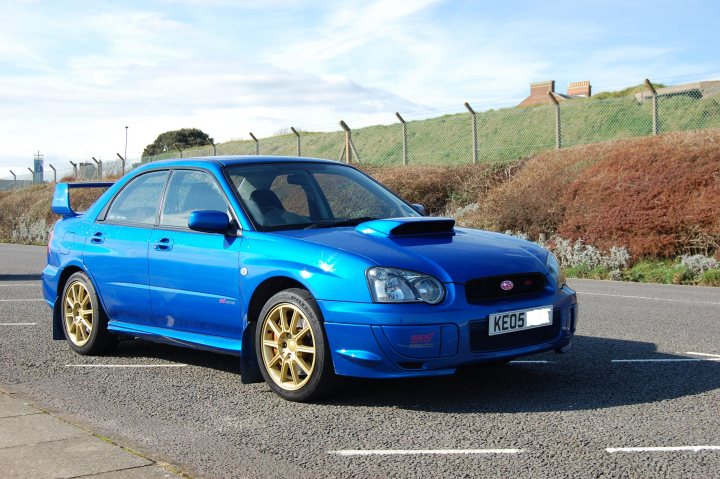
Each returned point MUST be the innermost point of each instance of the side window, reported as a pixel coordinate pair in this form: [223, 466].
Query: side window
[138, 202]
[190, 191]
[293, 197]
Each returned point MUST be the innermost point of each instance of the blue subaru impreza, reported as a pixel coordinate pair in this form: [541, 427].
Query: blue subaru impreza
[304, 268]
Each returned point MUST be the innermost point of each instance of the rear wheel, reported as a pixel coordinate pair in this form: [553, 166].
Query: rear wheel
[84, 321]
[291, 347]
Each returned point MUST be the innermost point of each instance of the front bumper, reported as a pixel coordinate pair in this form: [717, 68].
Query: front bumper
[402, 340]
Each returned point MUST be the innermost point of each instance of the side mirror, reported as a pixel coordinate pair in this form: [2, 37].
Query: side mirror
[209, 221]
[419, 208]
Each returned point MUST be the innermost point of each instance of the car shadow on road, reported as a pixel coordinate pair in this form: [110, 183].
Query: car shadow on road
[142, 349]
[585, 378]
[20, 277]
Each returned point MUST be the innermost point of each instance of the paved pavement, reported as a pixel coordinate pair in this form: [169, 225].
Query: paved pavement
[638, 396]
[35, 444]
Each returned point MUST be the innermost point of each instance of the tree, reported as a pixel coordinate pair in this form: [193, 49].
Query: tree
[183, 138]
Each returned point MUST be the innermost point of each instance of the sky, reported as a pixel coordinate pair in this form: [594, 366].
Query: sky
[74, 74]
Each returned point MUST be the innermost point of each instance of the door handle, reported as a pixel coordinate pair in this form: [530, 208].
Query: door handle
[164, 244]
[97, 238]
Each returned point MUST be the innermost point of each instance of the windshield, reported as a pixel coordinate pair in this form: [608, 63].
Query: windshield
[312, 195]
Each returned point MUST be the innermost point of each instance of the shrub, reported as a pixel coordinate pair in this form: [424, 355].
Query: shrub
[698, 264]
[658, 196]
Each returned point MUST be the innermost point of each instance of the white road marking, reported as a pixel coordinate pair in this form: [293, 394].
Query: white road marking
[652, 298]
[704, 354]
[28, 284]
[663, 449]
[664, 360]
[20, 300]
[179, 365]
[408, 452]
[18, 324]
[531, 362]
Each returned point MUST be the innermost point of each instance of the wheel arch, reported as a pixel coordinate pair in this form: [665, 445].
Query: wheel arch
[67, 271]
[250, 370]
[58, 331]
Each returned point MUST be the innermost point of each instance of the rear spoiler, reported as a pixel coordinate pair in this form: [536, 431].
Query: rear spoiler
[61, 197]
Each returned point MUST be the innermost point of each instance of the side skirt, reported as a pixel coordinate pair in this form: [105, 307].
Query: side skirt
[178, 338]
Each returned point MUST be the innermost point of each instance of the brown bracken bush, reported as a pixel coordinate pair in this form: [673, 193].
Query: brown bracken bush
[659, 197]
[532, 202]
[25, 215]
[441, 189]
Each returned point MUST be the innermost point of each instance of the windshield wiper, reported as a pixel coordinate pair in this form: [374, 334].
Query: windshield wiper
[339, 222]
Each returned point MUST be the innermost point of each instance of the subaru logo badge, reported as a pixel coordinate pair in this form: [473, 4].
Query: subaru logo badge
[507, 285]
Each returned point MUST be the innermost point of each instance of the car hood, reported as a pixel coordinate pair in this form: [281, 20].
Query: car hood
[450, 254]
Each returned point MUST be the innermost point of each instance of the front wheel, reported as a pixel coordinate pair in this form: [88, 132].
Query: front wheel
[291, 347]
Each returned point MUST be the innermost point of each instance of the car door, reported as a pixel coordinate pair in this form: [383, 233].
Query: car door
[116, 252]
[194, 276]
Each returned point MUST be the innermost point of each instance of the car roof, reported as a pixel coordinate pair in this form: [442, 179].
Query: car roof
[237, 160]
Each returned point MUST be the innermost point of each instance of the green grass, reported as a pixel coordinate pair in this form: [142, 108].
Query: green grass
[650, 271]
[504, 135]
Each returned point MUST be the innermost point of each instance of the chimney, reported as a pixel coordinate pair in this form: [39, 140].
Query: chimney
[541, 89]
[580, 88]
[539, 93]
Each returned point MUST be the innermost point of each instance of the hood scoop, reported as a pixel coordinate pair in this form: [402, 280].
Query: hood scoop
[413, 226]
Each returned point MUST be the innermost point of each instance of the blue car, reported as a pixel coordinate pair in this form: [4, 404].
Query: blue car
[306, 269]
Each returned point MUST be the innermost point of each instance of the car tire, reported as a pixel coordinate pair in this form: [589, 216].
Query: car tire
[292, 348]
[83, 319]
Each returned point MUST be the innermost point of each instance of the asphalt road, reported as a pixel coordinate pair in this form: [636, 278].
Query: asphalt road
[561, 418]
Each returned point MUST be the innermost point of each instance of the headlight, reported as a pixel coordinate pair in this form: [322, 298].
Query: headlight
[393, 285]
[555, 270]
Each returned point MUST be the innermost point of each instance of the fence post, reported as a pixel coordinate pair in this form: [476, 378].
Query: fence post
[404, 138]
[122, 160]
[348, 142]
[14, 180]
[297, 138]
[33, 175]
[473, 122]
[257, 144]
[54, 173]
[75, 170]
[99, 168]
[558, 133]
[655, 119]
[210, 142]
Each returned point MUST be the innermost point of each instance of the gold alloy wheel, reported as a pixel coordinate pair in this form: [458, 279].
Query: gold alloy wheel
[288, 346]
[78, 313]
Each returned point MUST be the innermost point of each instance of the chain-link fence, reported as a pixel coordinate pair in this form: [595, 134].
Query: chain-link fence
[499, 135]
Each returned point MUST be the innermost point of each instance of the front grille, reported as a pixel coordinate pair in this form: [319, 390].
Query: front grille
[480, 340]
[485, 289]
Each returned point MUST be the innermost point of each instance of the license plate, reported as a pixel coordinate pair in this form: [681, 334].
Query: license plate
[512, 321]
